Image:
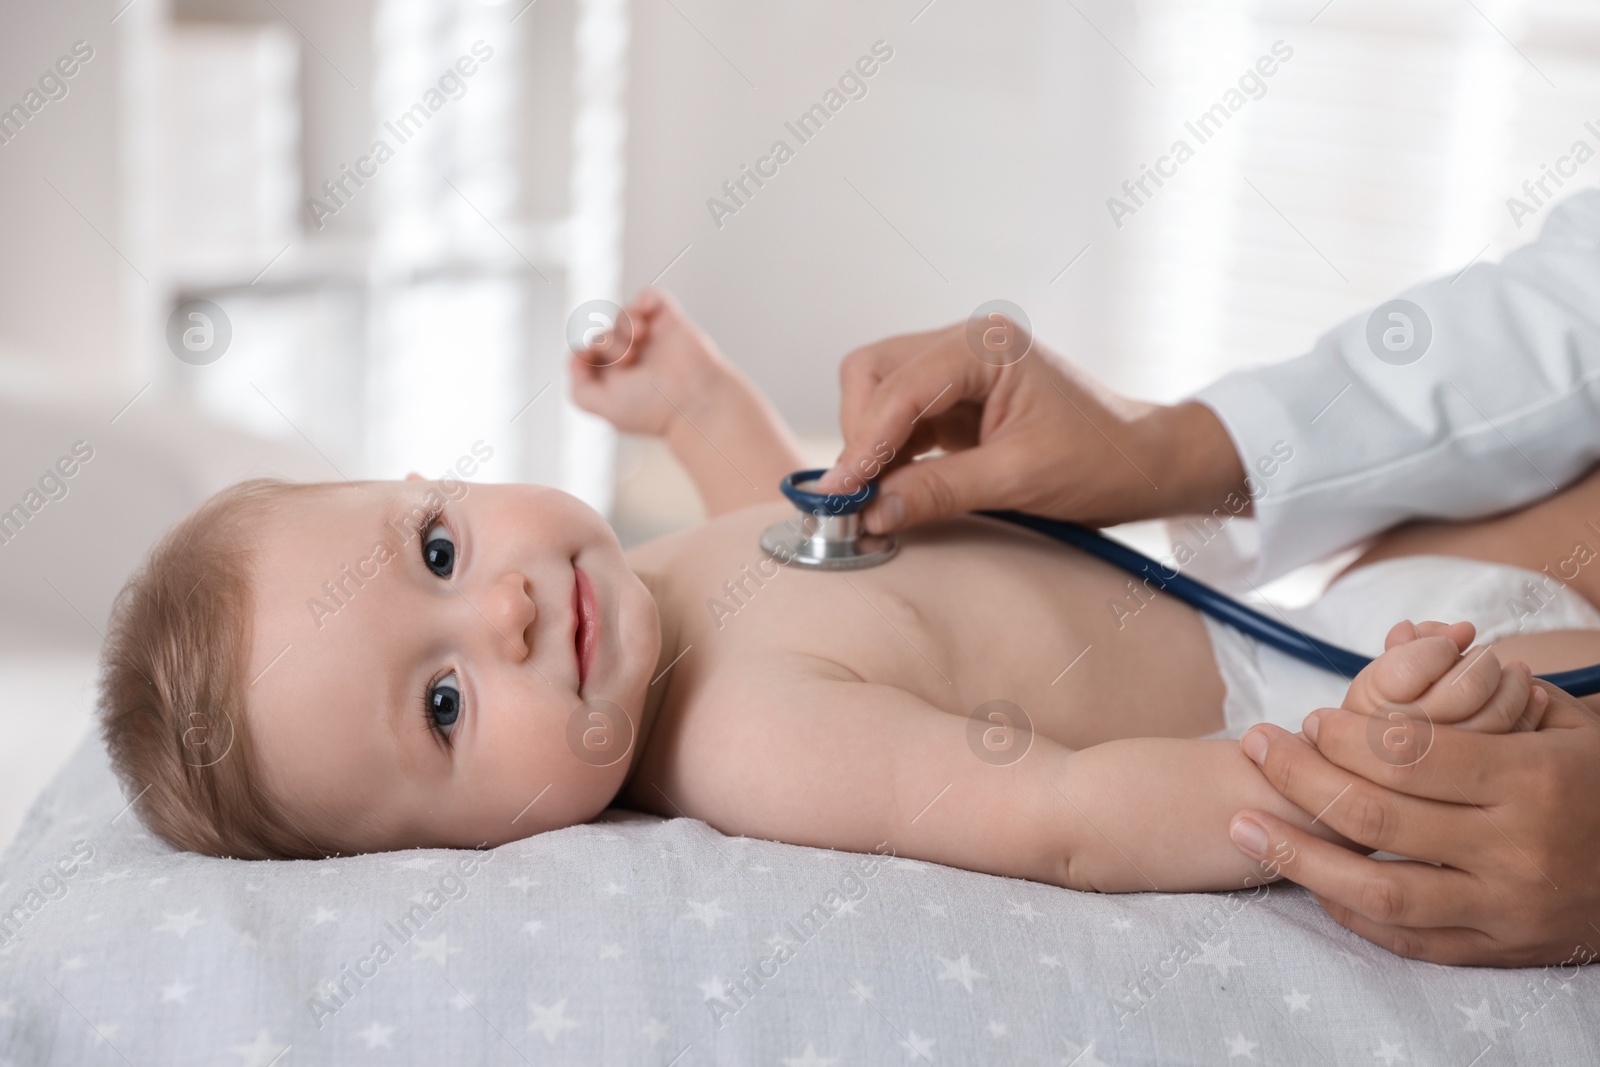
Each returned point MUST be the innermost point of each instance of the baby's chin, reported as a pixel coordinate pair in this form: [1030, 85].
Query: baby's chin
[640, 625]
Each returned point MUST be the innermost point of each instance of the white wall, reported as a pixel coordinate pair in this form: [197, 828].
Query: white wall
[991, 142]
[60, 280]
[984, 142]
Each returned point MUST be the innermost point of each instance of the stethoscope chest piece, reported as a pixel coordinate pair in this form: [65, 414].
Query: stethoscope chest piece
[827, 534]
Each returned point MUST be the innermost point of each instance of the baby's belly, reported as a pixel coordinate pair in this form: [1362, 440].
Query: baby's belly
[971, 611]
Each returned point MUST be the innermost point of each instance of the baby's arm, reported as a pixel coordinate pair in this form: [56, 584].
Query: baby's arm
[837, 763]
[673, 383]
[1183, 791]
[811, 759]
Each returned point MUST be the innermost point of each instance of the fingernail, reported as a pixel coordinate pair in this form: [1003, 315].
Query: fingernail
[1254, 745]
[1250, 836]
[1310, 727]
[891, 512]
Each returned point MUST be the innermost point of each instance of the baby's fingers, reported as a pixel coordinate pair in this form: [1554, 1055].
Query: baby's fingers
[1510, 704]
[1461, 633]
[1405, 672]
[587, 392]
[611, 342]
[1467, 689]
[1403, 633]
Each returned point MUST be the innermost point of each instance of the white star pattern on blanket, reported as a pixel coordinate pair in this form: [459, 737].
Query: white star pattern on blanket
[1025, 910]
[809, 1058]
[1481, 1019]
[917, 1047]
[181, 924]
[436, 949]
[959, 971]
[552, 1022]
[1389, 1053]
[1080, 1055]
[1218, 957]
[376, 1035]
[261, 1052]
[707, 913]
[1239, 1045]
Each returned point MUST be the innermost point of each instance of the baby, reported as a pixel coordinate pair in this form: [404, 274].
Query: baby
[306, 670]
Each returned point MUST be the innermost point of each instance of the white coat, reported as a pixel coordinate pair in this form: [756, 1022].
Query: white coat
[1501, 409]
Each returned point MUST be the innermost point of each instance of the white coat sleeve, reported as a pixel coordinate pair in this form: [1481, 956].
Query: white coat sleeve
[1503, 408]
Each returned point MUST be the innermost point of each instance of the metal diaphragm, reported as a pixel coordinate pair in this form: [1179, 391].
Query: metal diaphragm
[828, 533]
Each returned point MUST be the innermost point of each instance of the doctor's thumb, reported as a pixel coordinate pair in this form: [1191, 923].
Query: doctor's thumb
[929, 489]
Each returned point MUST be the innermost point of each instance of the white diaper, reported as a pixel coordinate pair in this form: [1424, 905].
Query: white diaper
[1358, 610]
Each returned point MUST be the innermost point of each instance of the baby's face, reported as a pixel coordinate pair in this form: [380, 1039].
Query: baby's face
[434, 659]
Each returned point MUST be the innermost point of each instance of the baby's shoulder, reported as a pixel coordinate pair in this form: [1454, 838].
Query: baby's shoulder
[708, 543]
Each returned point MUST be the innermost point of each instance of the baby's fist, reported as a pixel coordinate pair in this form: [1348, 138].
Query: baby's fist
[665, 367]
[1427, 671]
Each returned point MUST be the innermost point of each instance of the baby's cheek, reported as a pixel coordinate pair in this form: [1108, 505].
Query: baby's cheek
[540, 784]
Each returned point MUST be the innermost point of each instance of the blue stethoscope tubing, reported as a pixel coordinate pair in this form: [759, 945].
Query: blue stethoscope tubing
[1584, 681]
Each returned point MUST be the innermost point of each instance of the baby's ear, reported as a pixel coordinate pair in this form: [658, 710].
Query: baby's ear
[415, 477]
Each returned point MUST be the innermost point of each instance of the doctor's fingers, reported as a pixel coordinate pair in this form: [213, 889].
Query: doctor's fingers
[924, 387]
[1451, 945]
[1389, 893]
[1434, 762]
[950, 484]
[1369, 814]
[865, 368]
[952, 430]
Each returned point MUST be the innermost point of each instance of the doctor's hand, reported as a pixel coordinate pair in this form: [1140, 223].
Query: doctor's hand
[1037, 435]
[1513, 817]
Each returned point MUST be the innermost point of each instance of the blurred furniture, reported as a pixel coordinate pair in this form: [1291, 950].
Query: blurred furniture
[392, 305]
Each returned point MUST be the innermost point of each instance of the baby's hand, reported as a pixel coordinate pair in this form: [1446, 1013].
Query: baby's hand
[670, 367]
[1428, 671]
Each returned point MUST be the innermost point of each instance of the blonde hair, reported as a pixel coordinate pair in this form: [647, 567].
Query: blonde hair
[173, 684]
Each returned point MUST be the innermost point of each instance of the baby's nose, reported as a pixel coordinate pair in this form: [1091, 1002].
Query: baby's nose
[508, 607]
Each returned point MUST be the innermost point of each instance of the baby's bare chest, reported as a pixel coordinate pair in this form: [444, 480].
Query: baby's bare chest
[970, 611]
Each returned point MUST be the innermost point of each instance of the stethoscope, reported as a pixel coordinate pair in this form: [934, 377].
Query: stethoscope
[828, 535]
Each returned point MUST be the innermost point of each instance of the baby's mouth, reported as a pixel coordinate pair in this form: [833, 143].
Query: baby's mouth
[584, 626]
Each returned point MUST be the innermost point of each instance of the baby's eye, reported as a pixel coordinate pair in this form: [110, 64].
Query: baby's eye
[439, 551]
[444, 703]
